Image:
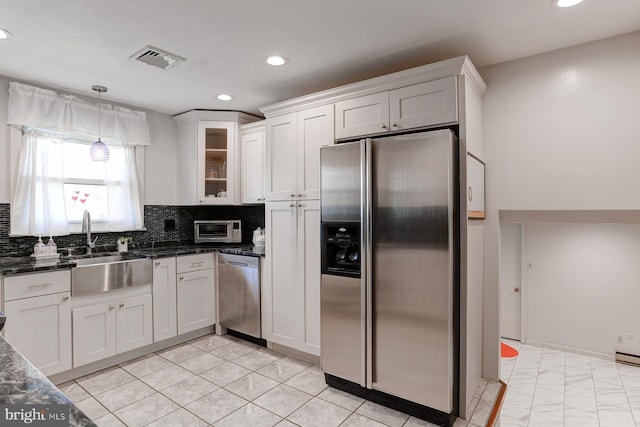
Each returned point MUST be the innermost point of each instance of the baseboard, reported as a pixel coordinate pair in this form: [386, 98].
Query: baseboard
[311, 358]
[630, 359]
[99, 365]
[579, 351]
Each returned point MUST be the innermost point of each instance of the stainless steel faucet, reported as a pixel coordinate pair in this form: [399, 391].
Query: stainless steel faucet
[86, 228]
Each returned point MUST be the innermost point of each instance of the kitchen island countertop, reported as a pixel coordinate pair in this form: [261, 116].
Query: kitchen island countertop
[22, 384]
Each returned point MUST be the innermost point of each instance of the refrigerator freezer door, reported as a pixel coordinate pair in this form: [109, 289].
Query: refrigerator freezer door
[412, 257]
[342, 313]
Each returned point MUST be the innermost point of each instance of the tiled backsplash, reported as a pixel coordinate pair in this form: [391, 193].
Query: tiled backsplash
[163, 223]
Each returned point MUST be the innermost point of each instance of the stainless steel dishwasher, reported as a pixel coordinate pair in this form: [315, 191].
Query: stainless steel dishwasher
[239, 293]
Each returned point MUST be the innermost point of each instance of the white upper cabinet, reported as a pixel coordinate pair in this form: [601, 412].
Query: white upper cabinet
[252, 162]
[293, 144]
[362, 116]
[208, 157]
[421, 105]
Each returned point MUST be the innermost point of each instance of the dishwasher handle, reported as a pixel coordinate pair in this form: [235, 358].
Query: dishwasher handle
[239, 264]
[241, 261]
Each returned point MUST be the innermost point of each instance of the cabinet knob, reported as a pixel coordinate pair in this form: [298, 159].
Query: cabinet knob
[260, 199]
[299, 195]
[394, 124]
[516, 290]
[292, 205]
[157, 263]
[181, 278]
[121, 305]
[299, 205]
[65, 298]
[383, 126]
[111, 307]
[293, 195]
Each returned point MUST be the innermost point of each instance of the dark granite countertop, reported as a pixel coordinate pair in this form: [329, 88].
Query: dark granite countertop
[22, 384]
[163, 252]
[25, 264]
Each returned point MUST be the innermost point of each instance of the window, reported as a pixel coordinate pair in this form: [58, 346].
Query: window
[85, 183]
[56, 182]
[53, 178]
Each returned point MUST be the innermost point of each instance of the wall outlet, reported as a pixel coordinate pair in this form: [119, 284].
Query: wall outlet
[620, 339]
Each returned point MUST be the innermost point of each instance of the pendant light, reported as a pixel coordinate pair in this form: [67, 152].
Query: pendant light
[99, 151]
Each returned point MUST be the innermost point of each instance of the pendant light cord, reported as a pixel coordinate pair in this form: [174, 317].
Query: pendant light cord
[99, 99]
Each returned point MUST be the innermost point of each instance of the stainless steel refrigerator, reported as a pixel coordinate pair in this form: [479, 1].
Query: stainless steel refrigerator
[389, 285]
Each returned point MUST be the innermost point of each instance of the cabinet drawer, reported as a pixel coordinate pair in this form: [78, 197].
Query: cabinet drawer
[33, 285]
[186, 263]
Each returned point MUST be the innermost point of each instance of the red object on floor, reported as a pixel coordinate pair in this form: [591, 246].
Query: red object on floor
[507, 350]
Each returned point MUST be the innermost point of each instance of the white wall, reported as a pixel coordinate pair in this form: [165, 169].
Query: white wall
[560, 132]
[582, 286]
[160, 157]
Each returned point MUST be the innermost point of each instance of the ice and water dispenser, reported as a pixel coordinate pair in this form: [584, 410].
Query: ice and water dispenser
[341, 252]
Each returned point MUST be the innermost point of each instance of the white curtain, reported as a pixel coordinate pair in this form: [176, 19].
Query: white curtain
[38, 207]
[45, 109]
[123, 190]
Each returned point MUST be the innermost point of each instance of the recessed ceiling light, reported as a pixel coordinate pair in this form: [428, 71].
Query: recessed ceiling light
[5, 34]
[276, 60]
[225, 97]
[565, 3]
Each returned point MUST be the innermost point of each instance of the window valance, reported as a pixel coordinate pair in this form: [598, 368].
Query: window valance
[45, 109]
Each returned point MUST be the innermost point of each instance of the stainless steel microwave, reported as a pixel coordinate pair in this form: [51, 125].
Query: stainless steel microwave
[217, 231]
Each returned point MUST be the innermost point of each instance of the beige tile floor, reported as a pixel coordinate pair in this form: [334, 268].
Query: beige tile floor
[226, 382]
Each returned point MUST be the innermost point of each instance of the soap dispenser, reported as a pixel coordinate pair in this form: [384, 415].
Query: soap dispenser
[52, 248]
[39, 248]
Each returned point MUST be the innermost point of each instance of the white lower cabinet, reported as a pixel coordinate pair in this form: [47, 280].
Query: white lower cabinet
[40, 328]
[291, 289]
[110, 326]
[195, 292]
[164, 299]
[94, 332]
[134, 325]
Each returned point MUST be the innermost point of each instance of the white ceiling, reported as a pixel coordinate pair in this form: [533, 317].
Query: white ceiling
[71, 45]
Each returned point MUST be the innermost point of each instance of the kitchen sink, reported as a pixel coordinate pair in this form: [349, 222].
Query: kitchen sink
[107, 272]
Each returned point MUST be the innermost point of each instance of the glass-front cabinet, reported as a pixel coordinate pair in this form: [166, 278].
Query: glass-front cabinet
[208, 157]
[217, 162]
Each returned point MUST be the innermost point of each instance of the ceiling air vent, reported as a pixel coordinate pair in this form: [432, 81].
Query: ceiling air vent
[157, 57]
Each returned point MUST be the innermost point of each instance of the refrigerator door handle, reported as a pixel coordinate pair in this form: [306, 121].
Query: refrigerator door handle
[367, 291]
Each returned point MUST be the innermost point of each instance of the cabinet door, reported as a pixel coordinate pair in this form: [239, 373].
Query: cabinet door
[134, 324]
[308, 273]
[164, 299]
[40, 328]
[424, 104]
[94, 332]
[315, 129]
[216, 162]
[196, 300]
[281, 306]
[362, 116]
[281, 157]
[252, 167]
